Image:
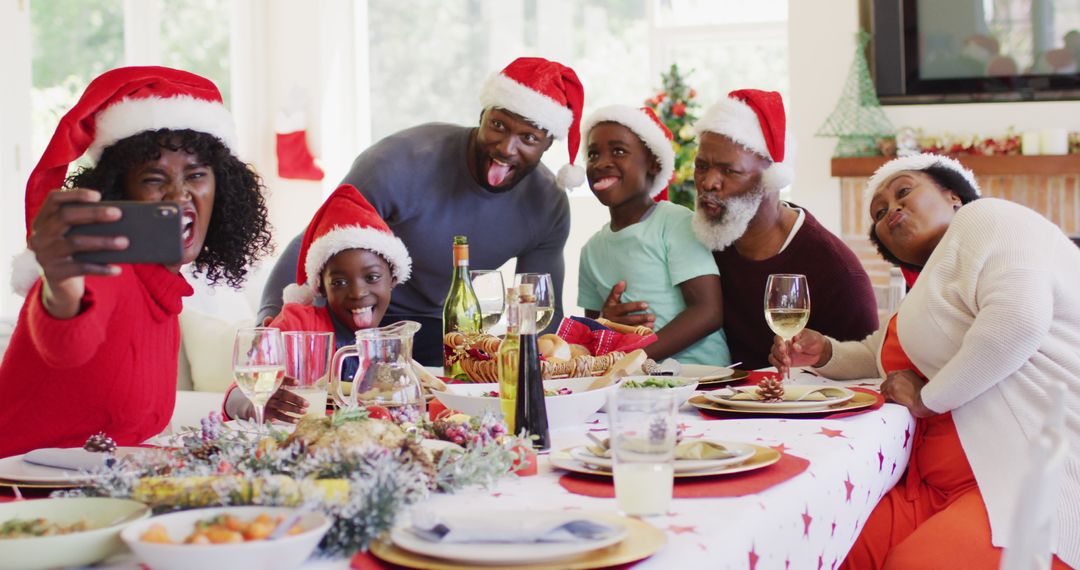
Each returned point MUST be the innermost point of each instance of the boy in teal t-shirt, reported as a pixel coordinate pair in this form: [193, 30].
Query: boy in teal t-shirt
[648, 244]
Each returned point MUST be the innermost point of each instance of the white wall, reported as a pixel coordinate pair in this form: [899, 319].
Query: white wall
[821, 38]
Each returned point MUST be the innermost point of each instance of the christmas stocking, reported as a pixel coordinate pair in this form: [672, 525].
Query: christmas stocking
[294, 157]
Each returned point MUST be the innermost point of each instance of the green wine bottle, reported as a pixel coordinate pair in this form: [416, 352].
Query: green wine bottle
[461, 310]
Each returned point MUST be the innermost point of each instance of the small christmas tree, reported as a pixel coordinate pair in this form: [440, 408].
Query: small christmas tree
[857, 121]
[676, 106]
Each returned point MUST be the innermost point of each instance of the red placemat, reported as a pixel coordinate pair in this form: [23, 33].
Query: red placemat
[824, 415]
[735, 485]
[367, 561]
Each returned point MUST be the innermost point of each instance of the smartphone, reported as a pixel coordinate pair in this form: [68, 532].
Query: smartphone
[153, 230]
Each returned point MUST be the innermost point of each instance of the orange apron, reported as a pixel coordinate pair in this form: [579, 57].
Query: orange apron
[934, 517]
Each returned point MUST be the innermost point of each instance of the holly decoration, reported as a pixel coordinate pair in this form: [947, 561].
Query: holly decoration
[676, 106]
[100, 443]
[771, 389]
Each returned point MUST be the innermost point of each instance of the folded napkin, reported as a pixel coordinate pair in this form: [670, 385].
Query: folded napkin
[529, 528]
[696, 449]
[792, 394]
[72, 459]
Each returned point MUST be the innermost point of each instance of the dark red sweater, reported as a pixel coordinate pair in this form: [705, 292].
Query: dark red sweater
[842, 303]
[111, 368]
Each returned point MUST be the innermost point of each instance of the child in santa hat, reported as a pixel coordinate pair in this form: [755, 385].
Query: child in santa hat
[103, 340]
[351, 259]
[648, 251]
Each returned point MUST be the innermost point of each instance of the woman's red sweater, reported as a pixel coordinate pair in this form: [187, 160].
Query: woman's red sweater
[111, 368]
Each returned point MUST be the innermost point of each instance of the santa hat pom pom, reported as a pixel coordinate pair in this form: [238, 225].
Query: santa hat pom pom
[779, 175]
[570, 176]
[24, 272]
[299, 294]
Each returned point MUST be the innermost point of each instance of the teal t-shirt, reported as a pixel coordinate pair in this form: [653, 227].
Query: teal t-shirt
[654, 256]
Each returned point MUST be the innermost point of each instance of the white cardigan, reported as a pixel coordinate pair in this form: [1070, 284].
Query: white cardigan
[994, 314]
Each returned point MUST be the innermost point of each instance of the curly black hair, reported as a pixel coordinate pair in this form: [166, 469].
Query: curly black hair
[946, 179]
[239, 232]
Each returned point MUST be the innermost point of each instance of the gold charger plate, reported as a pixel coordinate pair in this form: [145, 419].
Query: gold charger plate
[859, 401]
[762, 457]
[642, 541]
[738, 376]
[7, 483]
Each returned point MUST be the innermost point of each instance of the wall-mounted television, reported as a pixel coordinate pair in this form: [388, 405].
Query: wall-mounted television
[962, 51]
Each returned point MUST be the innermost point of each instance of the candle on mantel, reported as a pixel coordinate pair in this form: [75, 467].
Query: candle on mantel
[1054, 141]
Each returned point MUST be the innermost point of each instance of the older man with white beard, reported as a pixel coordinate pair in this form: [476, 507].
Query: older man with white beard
[744, 159]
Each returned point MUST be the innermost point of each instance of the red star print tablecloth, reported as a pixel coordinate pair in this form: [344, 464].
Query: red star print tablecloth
[809, 521]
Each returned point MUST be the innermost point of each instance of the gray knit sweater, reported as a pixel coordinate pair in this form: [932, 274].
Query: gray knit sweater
[419, 182]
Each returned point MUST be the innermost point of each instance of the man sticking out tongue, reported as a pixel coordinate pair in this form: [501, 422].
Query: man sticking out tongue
[351, 259]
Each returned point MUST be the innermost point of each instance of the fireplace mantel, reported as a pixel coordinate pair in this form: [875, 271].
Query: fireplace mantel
[1004, 165]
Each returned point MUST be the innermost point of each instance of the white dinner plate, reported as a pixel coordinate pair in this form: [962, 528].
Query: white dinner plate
[794, 390]
[15, 470]
[498, 553]
[704, 372]
[743, 452]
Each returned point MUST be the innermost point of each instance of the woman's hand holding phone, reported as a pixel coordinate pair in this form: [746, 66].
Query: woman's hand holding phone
[64, 285]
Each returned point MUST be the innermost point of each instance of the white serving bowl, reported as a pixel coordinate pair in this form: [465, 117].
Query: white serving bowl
[562, 411]
[682, 393]
[283, 554]
[106, 517]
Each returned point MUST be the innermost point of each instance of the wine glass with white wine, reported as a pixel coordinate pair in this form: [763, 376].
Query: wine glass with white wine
[787, 306]
[545, 296]
[259, 366]
[491, 294]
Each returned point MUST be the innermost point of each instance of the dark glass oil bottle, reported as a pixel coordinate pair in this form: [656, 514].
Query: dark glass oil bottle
[530, 413]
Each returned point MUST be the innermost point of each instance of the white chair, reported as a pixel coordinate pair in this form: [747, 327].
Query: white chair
[1035, 516]
[889, 296]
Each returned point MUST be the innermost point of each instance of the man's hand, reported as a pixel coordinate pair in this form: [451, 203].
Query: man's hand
[632, 314]
[283, 403]
[904, 387]
[808, 348]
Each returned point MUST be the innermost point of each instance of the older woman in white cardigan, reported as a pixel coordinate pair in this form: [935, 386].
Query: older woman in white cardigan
[993, 316]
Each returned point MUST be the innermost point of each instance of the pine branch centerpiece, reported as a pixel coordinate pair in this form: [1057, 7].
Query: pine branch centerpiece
[362, 471]
[676, 105]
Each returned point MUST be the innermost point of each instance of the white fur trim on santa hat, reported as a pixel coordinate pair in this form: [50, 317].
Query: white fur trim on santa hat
[735, 120]
[298, 294]
[917, 162]
[25, 271]
[505, 93]
[570, 176]
[341, 238]
[646, 130]
[133, 116]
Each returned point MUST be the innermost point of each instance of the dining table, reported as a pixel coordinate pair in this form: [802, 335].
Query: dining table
[839, 468]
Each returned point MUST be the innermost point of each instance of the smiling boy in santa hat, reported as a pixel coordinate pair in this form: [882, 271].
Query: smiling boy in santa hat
[349, 258]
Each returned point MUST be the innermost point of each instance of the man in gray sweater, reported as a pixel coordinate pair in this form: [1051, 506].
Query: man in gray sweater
[435, 181]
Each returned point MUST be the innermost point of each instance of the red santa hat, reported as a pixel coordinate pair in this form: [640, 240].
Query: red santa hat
[917, 162]
[118, 104]
[345, 221]
[644, 123]
[548, 94]
[756, 120]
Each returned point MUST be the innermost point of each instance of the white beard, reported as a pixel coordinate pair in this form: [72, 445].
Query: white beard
[738, 211]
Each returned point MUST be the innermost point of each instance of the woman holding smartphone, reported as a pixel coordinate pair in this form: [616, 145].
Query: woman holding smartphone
[95, 347]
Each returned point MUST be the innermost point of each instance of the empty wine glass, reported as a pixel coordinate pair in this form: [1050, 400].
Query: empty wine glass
[787, 306]
[258, 366]
[491, 294]
[545, 296]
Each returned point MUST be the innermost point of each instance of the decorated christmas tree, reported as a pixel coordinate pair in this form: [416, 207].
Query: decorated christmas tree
[675, 104]
[858, 121]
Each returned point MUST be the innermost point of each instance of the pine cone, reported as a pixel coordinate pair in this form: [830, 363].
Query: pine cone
[771, 389]
[204, 452]
[100, 443]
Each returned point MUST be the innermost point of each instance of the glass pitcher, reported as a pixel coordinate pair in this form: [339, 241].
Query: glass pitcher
[385, 376]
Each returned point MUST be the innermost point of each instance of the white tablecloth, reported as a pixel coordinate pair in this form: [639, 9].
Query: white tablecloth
[809, 521]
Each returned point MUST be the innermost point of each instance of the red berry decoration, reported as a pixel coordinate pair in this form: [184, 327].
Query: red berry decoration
[378, 413]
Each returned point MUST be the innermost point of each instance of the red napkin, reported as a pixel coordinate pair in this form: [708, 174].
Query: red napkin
[824, 415]
[735, 485]
[599, 339]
